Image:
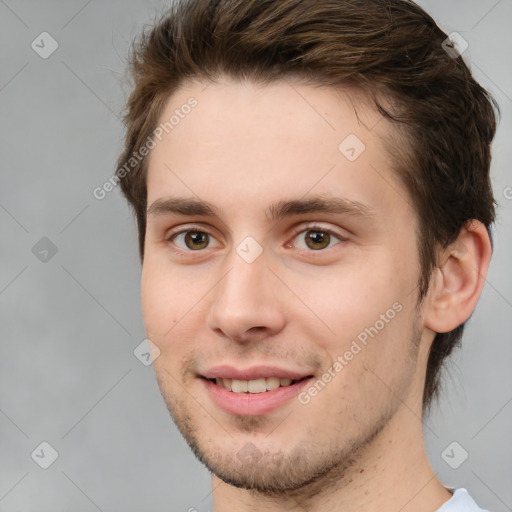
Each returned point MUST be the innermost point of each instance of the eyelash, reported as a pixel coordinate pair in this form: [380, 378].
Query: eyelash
[303, 229]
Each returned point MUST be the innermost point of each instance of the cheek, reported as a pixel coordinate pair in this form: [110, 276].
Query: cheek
[362, 320]
[153, 295]
[173, 309]
[164, 290]
[161, 299]
[350, 297]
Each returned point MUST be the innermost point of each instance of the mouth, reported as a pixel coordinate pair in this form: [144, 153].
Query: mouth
[255, 392]
[255, 386]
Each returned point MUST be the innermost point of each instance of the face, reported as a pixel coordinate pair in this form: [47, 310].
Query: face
[280, 280]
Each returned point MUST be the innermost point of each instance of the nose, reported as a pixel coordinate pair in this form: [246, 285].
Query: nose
[246, 304]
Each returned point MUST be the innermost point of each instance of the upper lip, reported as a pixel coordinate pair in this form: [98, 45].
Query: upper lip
[226, 371]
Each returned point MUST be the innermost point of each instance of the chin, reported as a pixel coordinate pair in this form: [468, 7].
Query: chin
[266, 473]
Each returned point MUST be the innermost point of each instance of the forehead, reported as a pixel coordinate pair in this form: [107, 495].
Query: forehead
[250, 144]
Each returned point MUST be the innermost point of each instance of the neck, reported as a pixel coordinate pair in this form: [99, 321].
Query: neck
[392, 473]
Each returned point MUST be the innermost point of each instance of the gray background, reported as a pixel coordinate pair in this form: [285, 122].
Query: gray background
[69, 325]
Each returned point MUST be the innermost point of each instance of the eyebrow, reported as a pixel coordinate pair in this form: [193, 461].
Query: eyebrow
[276, 211]
[320, 204]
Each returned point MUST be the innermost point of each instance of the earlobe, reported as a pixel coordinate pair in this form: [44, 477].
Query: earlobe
[457, 282]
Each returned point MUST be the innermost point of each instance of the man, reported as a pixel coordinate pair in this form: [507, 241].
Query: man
[311, 185]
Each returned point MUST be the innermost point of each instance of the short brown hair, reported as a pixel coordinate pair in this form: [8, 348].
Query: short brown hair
[386, 48]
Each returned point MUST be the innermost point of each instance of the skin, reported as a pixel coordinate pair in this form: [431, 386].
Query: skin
[358, 444]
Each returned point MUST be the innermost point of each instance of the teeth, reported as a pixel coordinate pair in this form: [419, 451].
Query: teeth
[257, 386]
[239, 386]
[253, 386]
[272, 383]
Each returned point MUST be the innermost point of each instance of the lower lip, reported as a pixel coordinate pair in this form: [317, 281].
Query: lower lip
[253, 404]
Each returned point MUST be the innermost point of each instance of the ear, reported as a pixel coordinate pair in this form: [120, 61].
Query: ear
[456, 284]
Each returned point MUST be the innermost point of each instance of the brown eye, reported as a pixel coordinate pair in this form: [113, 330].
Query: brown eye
[196, 240]
[193, 240]
[317, 239]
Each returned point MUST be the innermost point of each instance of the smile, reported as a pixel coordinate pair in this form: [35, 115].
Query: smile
[253, 397]
[254, 386]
